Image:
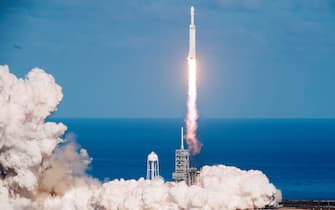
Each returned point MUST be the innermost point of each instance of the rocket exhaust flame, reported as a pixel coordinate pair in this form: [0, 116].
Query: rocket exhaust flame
[192, 114]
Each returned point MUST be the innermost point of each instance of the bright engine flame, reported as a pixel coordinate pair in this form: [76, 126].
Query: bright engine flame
[192, 114]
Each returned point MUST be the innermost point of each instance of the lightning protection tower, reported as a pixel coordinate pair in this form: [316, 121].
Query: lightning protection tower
[182, 161]
[183, 171]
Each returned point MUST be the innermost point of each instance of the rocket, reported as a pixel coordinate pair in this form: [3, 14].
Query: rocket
[191, 53]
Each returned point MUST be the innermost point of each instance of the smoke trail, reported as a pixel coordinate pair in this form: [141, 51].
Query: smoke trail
[192, 114]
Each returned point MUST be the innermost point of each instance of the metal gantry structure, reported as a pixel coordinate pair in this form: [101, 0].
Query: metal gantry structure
[183, 171]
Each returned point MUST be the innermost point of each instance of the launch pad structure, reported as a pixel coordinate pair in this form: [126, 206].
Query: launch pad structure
[183, 171]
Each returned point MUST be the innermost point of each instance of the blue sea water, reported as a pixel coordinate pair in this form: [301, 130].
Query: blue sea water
[296, 155]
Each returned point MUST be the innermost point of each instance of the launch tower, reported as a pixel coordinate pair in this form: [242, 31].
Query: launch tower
[183, 171]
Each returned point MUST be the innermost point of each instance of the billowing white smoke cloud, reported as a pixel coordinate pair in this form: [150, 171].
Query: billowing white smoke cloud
[219, 187]
[37, 173]
[29, 164]
[25, 139]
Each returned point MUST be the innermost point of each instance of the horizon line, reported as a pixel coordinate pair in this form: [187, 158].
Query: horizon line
[206, 118]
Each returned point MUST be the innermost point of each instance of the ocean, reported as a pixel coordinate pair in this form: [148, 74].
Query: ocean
[297, 155]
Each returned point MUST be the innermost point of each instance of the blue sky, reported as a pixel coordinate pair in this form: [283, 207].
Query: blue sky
[256, 58]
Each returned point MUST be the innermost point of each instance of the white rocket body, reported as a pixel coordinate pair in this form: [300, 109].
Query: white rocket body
[191, 53]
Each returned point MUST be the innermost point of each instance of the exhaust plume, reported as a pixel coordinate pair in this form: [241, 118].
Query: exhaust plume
[192, 114]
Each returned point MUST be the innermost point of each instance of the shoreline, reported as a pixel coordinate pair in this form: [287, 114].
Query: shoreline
[305, 204]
